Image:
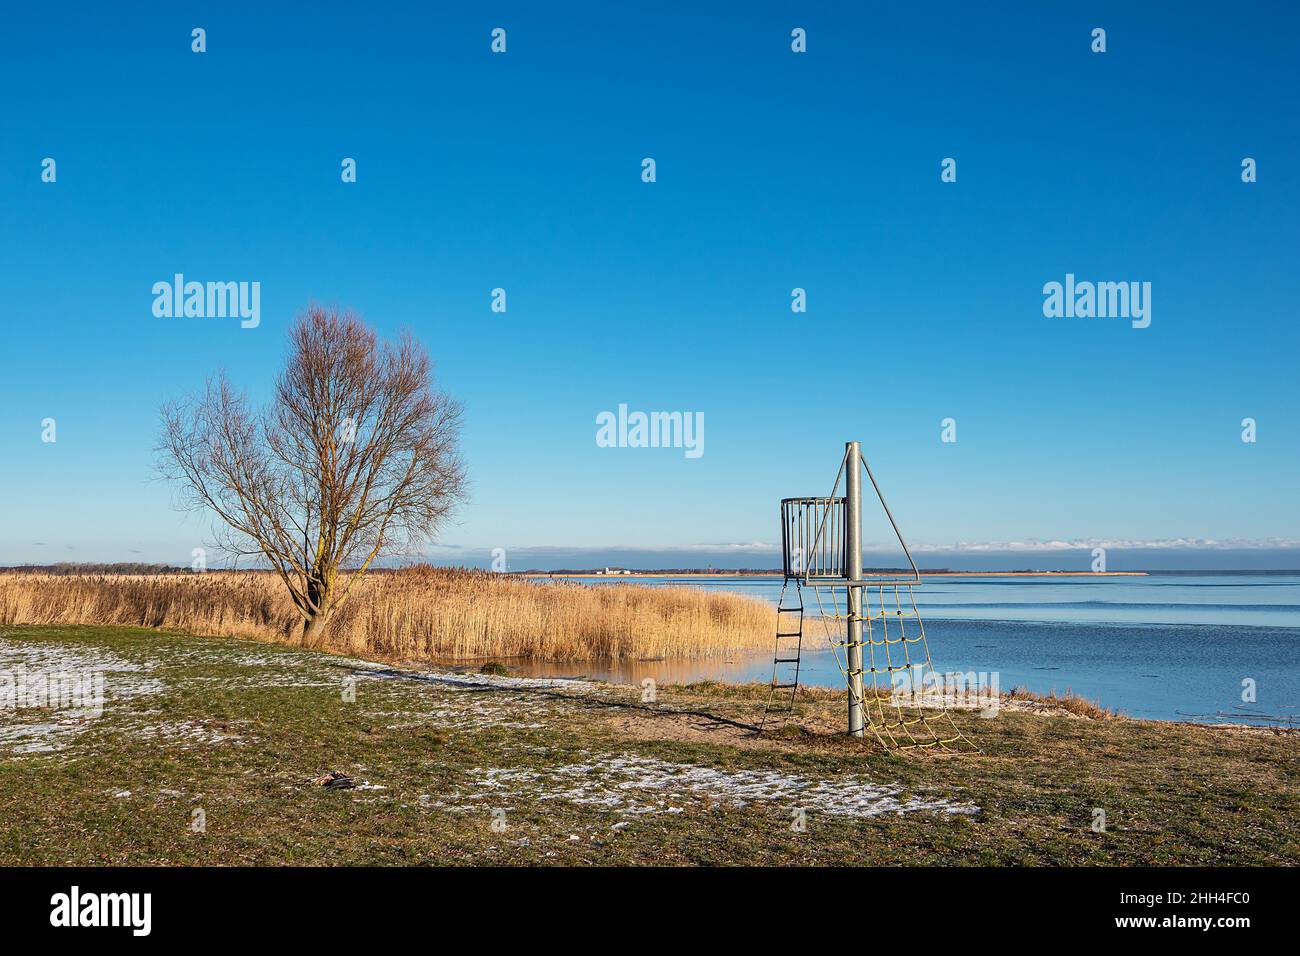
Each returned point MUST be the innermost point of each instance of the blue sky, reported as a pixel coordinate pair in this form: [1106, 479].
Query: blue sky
[775, 170]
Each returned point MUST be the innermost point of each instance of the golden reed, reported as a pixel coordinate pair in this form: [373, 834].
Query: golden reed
[419, 613]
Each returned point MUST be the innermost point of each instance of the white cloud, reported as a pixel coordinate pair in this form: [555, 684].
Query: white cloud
[972, 547]
[1087, 544]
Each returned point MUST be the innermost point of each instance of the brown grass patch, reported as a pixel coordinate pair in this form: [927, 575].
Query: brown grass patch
[1069, 702]
[419, 613]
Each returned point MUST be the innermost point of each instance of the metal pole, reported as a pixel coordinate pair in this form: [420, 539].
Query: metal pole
[853, 571]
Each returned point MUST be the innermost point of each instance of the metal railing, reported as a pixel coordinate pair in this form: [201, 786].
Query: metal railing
[817, 543]
[812, 537]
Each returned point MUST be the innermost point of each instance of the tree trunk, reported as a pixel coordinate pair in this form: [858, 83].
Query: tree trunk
[318, 596]
[313, 631]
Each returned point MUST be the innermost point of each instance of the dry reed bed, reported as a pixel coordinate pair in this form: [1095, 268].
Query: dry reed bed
[415, 613]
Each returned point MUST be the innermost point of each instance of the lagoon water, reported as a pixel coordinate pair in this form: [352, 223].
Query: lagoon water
[1163, 646]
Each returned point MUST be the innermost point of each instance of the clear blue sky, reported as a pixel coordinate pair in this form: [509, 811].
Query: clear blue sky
[775, 171]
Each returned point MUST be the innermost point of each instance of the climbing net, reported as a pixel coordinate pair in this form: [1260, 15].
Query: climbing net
[901, 715]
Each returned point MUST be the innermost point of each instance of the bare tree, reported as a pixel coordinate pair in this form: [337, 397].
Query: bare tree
[355, 457]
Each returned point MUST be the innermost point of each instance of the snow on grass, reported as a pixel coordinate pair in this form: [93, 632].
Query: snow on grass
[457, 701]
[295, 668]
[50, 692]
[639, 785]
[470, 714]
[477, 681]
[43, 737]
[186, 732]
[42, 657]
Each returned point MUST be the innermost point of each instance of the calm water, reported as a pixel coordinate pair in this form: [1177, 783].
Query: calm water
[1165, 646]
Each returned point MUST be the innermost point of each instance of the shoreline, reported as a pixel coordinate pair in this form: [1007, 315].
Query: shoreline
[777, 574]
[1024, 702]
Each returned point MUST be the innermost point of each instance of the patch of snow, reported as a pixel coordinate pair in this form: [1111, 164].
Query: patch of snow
[457, 701]
[266, 678]
[478, 681]
[34, 738]
[47, 656]
[79, 671]
[184, 730]
[638, 785]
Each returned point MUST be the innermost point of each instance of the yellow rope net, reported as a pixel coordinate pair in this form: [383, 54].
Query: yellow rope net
[902, 717]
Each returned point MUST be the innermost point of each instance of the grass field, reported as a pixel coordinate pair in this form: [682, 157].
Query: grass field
[581, 772]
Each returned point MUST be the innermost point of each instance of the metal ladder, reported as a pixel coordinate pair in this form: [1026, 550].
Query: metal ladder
[789, 647]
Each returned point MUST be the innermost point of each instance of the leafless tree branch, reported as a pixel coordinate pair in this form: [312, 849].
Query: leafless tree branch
[356, 457]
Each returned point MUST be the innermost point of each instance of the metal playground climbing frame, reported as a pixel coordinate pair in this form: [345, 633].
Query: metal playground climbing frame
[872, 623]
